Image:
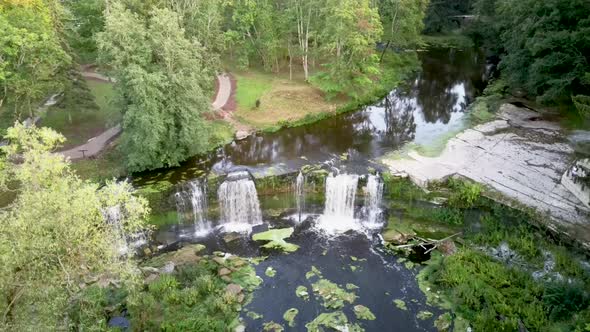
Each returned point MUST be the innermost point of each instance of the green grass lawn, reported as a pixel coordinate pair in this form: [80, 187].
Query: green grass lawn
[78, 122]
[221, 133]
[251, 87]
[108, 165]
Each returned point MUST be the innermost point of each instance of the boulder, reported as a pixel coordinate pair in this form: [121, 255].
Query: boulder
[224, 271]
[447, 247]
[233, 289]
[230, 237]
[241, 134]
[398, 236]
[151, 278]
[168, 268]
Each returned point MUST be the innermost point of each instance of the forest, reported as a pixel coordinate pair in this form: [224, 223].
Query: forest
[177, 165]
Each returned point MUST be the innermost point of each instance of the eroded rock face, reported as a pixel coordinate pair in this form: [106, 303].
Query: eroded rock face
[521, 156]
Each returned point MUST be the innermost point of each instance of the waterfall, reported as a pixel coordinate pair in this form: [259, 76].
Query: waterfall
[373, 197]
[113, 218]
[191, 204]
[340, 197]
[238, 202]
[300, 194]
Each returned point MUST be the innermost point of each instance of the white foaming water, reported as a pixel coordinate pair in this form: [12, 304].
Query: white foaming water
[300, 194]
[123, 242]
[191, 204]
[238, 201]
[373, 197]
[338, 214]
[112, 216]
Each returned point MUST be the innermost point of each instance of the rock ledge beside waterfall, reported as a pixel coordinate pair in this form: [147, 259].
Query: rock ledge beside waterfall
[519, 155]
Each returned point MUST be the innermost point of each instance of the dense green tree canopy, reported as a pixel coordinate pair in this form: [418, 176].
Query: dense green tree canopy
[351, 31]
[163, 83]
[545, 45]
[55, 235]
[32, 60]
[442, 15]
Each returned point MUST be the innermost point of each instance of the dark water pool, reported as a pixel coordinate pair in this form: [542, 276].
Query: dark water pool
[421, 111]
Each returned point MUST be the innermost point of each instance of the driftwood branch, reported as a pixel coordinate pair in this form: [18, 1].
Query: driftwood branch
[426, 242]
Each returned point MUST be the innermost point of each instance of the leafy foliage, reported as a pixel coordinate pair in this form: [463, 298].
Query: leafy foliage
[163, 83]
[86, 19]
[441, 15]
[352, 28]
[32, 60]
[545, 44]
[54, 236]
[464, 194]
[192, 299]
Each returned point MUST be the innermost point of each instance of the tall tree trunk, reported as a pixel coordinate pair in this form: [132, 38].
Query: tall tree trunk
[290, 60]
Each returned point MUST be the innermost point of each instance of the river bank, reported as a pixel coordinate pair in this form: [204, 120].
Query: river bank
[519, 155]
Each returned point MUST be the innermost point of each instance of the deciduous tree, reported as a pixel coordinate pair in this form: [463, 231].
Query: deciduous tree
[54, 236]
[163, 83]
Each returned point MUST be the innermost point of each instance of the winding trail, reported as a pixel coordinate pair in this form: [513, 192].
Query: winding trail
[96, 144]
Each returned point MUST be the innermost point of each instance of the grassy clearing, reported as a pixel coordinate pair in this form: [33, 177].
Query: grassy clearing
[292, 103]
[108, 165]
[281, 100]
[221, 133]
[80, 122]
[251, 87]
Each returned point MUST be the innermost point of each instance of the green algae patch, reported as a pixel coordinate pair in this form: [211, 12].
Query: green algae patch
[363, 312]
[258, 260]
[443, 322]
[302, 292]
[253, 315]
[351, 286]
[276, 239]
[270, 272]
[424, 315]
[400, 304]
[314, 272]
[289, 316]
[272, 327]
[246, 277]
[336, 320]
[333, 296]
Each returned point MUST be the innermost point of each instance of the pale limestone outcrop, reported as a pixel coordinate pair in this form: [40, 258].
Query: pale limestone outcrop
[518, 155]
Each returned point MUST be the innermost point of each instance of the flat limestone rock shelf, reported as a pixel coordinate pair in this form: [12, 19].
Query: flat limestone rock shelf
[519, 155]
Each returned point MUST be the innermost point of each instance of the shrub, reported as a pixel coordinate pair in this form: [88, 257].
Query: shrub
[464, 194]
[563, 299]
